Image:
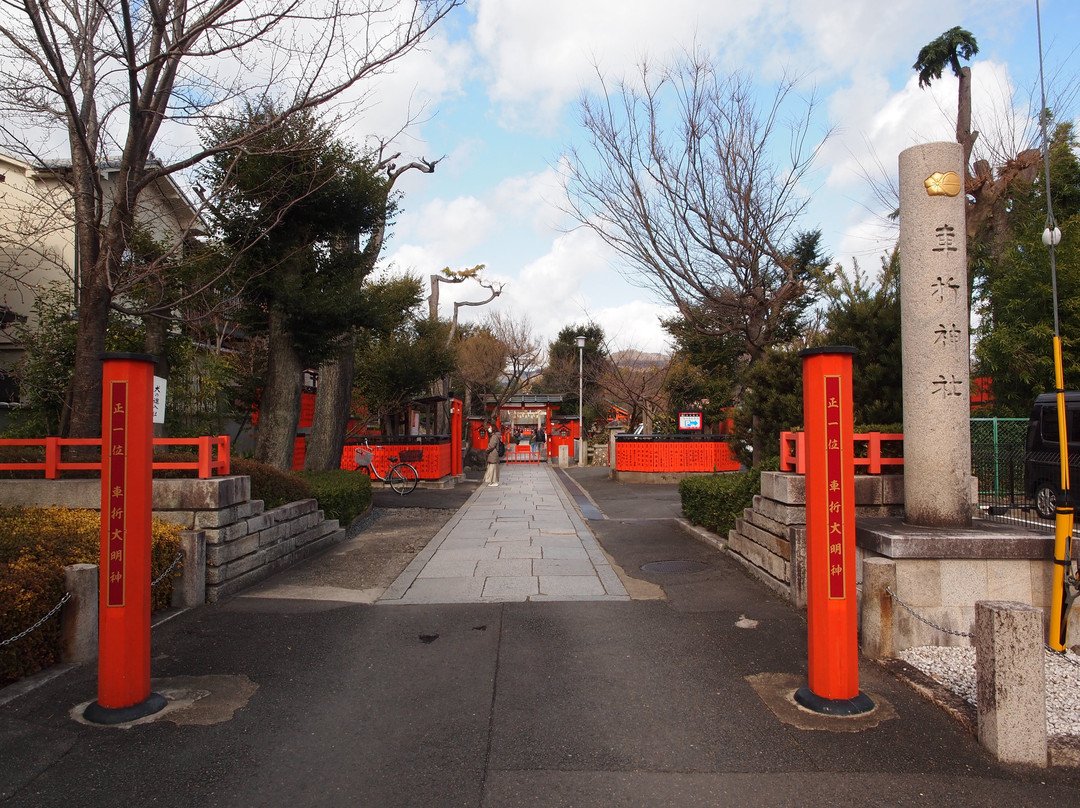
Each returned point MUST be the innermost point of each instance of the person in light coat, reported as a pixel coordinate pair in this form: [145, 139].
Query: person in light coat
[491, 475]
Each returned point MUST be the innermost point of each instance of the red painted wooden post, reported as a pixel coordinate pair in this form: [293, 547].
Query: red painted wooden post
[831, 619]
[455, 437]
[52, 458]
[127, 448]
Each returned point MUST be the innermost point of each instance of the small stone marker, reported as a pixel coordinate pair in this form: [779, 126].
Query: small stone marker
[1010, 681]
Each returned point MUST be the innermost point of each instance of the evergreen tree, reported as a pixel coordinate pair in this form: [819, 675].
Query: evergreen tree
[295, 202]
[867, 317]
[1014, 300]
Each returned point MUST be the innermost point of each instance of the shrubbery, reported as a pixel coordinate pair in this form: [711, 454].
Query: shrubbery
[715, 501]
[35, 546]
[342, 495]
[273, 487]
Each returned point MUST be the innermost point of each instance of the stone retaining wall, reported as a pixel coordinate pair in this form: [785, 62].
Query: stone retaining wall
[244, 542]
[770, 538]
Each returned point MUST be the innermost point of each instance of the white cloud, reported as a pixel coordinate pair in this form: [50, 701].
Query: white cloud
[534, 198]
[450, 228]
[540, 55]
[636, 325]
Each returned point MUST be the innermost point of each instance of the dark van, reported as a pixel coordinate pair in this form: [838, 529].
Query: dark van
[1042, 458]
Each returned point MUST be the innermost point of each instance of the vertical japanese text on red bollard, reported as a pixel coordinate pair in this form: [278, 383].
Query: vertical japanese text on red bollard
[115, 466]
[834, 486]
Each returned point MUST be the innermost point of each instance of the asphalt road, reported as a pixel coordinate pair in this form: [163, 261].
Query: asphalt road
[658, 702]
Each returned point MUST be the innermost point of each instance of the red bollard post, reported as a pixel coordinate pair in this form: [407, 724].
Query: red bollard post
[455, 437]
[832, 628]
[127, 449]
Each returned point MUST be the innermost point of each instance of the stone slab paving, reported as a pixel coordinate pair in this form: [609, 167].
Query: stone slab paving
[521, 540]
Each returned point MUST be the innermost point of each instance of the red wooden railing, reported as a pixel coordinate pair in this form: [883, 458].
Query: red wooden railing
[206, 465]
[432, 460]
[793, 451]
[674, 453]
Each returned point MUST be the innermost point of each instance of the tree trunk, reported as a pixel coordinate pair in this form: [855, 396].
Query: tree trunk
[757, 445]
[326, 441]
[279, 406]
[156, 333]
[94, 301]
[964, 136]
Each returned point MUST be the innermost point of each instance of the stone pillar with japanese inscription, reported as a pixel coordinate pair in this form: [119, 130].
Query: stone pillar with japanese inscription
[934, 332]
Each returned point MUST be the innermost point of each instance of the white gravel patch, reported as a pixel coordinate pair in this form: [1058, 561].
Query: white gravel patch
[954, 668]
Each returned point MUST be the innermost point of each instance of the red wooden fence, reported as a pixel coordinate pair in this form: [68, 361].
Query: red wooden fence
[206, 465]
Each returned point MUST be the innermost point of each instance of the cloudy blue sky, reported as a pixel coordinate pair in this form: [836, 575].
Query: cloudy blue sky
[495, 93]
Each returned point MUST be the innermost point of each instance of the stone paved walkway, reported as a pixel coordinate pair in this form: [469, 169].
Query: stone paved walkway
[522, 540]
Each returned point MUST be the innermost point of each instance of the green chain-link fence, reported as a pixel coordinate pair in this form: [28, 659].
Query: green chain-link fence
[997, 459]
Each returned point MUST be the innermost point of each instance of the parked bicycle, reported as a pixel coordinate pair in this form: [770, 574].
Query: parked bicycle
[401, 475]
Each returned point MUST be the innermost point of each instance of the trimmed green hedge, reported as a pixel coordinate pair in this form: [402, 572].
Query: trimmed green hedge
[715, 501]
[342, 495]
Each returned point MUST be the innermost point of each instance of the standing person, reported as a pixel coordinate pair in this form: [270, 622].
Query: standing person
[491, 475]
[541, 439]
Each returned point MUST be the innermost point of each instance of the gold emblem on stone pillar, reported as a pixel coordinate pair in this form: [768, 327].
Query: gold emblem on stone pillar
[947, 184]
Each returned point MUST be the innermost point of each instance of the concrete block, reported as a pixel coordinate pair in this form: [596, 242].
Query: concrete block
[79, 616]
[910, 632]
[963, 581]
[1042, 584]
[218, 555]
[892, 489]
[185, 519]
[223, 516]
[798, 567]
[784, 487]
[294, 510]
[1009, 579]
[918, 582]
[879, 575]
[778, 512]
[774, 544]
[201, 495]
[260, 522]
[190, 588]
[1010, 681]
[226, 534]
[51, 493]
[273, 535]
[758, 556]
[765, 523]
[867, 489]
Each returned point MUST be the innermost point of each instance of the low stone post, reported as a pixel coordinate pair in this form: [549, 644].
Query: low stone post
[564, 456]
[79, 617]
[190, 588]
[1010, 681]
[879, 574]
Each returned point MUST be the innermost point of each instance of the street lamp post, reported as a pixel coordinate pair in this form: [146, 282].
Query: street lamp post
[580, 402]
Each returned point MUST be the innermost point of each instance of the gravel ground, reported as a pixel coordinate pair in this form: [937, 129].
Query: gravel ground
[954, 668]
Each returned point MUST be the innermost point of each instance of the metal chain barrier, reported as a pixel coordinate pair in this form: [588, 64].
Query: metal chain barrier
[930, 623]
[1059, 654]
[39, 623]
[172, 566]
[67, 597]
[1062, 655]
